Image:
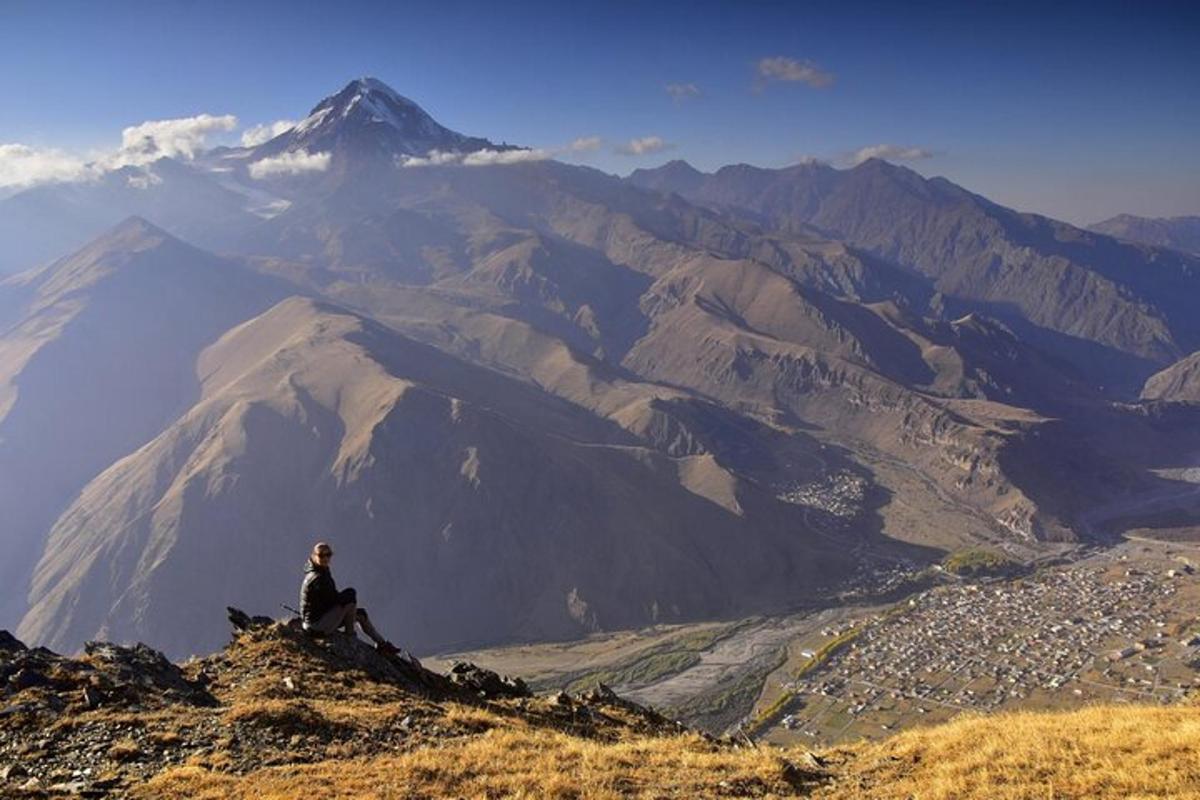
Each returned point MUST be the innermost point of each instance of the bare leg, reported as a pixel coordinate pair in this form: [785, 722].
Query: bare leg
[351, 612]
[364, 622]
[339, 617]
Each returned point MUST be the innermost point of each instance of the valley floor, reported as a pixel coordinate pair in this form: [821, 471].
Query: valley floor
[1114, 625]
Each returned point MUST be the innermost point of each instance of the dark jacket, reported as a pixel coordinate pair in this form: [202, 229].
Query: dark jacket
[318, 593]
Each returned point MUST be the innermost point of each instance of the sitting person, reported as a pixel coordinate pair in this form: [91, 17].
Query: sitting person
[323, 609]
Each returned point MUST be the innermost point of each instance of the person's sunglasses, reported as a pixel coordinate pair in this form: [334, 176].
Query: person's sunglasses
[324, 553]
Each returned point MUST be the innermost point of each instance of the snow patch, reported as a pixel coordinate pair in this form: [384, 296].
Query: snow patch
[313, 120]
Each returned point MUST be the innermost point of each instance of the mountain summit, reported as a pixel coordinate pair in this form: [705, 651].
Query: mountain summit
[368, 117]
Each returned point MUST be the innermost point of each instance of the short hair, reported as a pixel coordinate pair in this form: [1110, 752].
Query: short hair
[320, 545]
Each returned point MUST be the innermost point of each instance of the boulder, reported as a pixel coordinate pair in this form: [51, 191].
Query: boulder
[141, 672]
[27, 678]
[485, 682]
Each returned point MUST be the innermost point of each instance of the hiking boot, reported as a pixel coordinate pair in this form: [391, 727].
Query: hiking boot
[387, 649]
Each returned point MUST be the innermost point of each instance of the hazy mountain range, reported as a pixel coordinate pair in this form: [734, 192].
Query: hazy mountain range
[527, 399]
[1177, 233]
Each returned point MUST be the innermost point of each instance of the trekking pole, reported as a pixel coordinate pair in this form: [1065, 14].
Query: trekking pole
[286, 607]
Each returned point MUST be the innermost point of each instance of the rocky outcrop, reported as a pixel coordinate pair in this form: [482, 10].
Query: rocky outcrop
[106, 721]
[1178, 383]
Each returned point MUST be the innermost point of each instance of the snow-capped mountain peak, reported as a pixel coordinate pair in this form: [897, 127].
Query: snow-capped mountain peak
[369, 118]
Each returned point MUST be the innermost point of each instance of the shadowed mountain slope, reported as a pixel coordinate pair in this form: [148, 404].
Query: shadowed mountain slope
[466, 507]
[95, 359]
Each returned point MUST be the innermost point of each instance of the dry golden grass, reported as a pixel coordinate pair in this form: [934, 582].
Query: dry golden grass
[1125, 753]
[340, 734]
[1101, 753]
[509, 764]
[124, 750]
[165, 738]
[478, 720]
[287, 716]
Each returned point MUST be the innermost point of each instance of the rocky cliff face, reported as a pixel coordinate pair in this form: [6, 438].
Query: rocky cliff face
[1178, 383]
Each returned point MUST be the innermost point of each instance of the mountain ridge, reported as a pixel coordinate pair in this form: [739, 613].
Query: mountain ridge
[983, 255]
[118, 320]
[813, 369]
[1177, 233]
[360, 428]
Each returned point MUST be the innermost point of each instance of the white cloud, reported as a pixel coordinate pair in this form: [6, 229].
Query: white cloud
[682, 91]
[435, 158]
[290, 164]
[644, 146]
[781, 68]
[889, 152]
[253, 137]
[485, 157]
[479, 158]
[22, 166]
[144, 180]
[585, 144]
[171, 138]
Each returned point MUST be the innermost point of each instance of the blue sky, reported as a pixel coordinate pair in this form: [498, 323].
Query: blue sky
[1075, 110]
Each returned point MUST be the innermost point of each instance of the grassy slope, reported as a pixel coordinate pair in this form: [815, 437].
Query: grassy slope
[342, 734]
[1098, 752]
[1095, 753]
[525, 749]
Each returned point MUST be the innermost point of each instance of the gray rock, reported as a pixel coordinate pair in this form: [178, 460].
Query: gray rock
[27, 678]
[488, 683]
[601, 694]
[91, 697]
